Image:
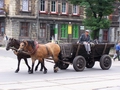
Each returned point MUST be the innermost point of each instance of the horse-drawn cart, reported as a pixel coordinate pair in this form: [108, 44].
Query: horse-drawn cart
[77, 55]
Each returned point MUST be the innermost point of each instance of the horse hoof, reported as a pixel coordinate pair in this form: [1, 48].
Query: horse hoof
[30, 72]
[36, 69]
[45, 72]
[16, 71]
[56, 69]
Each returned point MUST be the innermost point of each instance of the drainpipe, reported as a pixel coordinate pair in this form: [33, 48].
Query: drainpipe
[38, 9]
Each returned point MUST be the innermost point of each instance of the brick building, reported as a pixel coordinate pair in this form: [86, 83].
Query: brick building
[41, 19]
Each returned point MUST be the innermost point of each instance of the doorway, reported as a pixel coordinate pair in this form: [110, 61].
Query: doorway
[105, 36]
[52, 31]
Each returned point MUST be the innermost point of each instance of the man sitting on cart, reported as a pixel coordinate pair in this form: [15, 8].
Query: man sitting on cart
[85, 39]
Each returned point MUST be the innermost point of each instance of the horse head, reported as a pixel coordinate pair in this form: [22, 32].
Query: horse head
[12, 43]
[26, 46]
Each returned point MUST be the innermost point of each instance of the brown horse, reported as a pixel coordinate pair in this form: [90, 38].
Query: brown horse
[41, 51]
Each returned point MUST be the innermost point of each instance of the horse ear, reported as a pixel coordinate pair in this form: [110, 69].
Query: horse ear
[24, 42]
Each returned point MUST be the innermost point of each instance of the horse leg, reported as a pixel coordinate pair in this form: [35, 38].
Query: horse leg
[43, 66]
[56, 67]
[36, 68]
[26, 62]
[56, 64]
[31, 71]
[19, 59]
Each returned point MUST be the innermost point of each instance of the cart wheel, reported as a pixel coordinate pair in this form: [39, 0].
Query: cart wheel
[90, 64]
[63, 66]
[79, 63]
[105, 62]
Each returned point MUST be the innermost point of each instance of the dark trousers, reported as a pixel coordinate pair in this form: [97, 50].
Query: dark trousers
[117, 52]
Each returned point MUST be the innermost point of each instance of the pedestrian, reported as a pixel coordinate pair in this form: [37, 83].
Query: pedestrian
[117, 48]
[85, 39]
[5, 39]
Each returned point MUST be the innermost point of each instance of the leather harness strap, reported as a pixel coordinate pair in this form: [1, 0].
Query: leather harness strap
[47, 50]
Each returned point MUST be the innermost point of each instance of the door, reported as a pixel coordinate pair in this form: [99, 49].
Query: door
[105, 36]
[52, 31]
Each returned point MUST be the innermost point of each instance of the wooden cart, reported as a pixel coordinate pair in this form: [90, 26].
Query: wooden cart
[76, 55]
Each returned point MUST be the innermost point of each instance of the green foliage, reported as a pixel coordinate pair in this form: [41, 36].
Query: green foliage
[96, 11]
[94, 23]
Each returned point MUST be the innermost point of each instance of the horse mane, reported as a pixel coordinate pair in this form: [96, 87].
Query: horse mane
[17, 41]
[31, 43]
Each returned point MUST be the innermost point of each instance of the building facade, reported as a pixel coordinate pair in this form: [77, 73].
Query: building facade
[44, 19]
[112, 34]
[41, 20]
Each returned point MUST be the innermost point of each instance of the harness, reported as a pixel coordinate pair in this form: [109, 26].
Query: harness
[47, 50]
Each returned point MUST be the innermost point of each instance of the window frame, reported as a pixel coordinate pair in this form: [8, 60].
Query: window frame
[29, 6]
[42, 31]
[25, 26]
[64, 31]
[75, 31]
[56, 7]
[45, 6]
[65, 8]
[77, 10]
[2, 6]
[105, 35]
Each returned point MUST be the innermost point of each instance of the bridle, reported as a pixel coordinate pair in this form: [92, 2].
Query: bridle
[33, 51]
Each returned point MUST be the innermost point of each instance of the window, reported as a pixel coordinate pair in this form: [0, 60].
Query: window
[53, 6]
[25, 5]
[75, 30]
[1, 5]
[42, 5]
[64, 31]
[75, 10]
[42, 30]
[63, 8]
[24, 31]
[2, 28]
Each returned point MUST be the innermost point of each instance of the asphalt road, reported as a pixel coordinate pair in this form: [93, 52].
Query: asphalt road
[89, 79]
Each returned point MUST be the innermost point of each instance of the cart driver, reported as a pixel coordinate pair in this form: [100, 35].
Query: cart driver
[85, 39]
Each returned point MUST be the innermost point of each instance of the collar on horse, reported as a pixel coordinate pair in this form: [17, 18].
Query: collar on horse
[35, 49]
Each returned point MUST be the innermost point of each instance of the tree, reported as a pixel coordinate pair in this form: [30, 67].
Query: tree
[96, 12]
